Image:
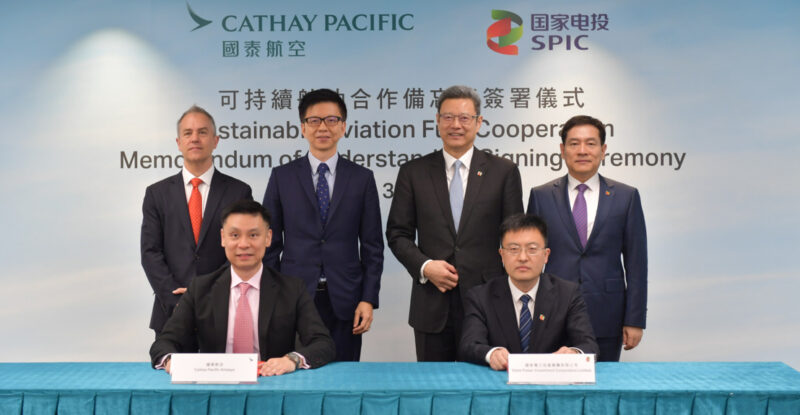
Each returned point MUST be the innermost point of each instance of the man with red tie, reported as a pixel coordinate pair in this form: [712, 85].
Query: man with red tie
[180, 224]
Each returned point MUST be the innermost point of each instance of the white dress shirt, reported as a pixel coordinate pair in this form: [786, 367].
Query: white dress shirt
[330, 176]
[449, 171]
[592, 196]
[516, 295]
[203, 188]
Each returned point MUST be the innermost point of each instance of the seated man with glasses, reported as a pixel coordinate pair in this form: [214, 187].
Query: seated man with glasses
[528, 312]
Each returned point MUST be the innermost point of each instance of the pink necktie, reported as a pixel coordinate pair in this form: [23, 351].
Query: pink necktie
[243, 323]
[196, 208]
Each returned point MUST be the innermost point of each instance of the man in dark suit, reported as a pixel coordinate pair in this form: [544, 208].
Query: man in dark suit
[444, 223]
[528, 312]
[246, 307]
[180, 224]
[598, 237]
[327, 225]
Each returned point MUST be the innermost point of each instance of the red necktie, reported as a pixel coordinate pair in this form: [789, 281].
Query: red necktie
[196, 209]
[243, 323]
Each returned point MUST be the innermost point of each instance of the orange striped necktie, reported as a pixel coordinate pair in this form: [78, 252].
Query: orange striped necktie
[196, 208]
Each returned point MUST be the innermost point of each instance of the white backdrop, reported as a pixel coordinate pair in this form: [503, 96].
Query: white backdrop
[701, 98]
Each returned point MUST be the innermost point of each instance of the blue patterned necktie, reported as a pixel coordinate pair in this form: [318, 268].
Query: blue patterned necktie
[456, 193]
[579, 214]
[323, 195]
[525, 323]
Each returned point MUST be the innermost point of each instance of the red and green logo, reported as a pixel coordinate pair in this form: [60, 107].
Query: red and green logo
[505, 34]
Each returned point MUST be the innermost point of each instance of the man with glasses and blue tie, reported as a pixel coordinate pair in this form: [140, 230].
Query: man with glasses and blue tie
[444, 223]
[528, 312]
[326, 225]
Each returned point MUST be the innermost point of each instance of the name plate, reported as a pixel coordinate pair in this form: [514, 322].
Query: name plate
[551, 369]
[214, 368]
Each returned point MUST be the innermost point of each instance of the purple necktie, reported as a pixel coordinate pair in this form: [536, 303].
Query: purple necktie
[579, 214]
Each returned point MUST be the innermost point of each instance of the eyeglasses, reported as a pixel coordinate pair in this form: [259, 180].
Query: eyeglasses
[462, 118]
[330, 121]
[515, 250]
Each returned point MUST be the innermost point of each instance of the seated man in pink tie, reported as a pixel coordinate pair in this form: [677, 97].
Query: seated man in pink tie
[246, 307]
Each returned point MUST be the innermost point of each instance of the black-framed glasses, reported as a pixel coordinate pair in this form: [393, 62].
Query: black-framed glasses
[462, 118]
[529, 250]
[330, 121]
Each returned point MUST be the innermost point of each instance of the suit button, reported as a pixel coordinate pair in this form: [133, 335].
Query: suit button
[322, 241]
[458, 249]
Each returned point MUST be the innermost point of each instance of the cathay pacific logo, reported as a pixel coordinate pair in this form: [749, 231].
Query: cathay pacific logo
[197, 19]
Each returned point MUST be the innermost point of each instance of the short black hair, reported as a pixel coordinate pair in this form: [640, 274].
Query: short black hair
[321, 95]
[246, 206]
[579, 120]
[521, 221]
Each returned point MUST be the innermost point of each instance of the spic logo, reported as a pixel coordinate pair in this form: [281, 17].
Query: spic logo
[505, 34]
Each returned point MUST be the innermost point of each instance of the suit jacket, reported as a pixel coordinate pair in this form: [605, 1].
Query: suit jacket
[348, 249]
[170, 257]
[285, 311]
[559, 319]
[421, 227]
[615, 289]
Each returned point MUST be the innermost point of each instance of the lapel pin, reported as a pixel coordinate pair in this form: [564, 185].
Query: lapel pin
[541, 317]
[480, 173]
[608, 193]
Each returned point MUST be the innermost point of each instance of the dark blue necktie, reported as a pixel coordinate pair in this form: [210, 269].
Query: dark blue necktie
[323, 195]
[525, 323]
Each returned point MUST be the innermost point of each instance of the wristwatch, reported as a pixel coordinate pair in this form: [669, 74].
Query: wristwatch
[294, 357]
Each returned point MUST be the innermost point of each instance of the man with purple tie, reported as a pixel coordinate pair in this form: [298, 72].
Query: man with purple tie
[598, 237]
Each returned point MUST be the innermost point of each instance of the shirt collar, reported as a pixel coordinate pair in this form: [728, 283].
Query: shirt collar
[254, 282]
[516, 293]
[205, 177]
[465, 159]
[593, 183]
[331, 162]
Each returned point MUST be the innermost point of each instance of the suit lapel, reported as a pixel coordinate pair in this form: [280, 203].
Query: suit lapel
[343, 173]
[604, 201]
[215, 193]
[541, 310]
[561, 198]
[266, 304]
[303, 172]
[477, 169]
[506, 315]
[178, 199]
[436, 170]
[220, 298]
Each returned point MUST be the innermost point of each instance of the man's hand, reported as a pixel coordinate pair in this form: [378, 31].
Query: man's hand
[167, 365]
[631, 336]
[565, 350]
[179, 291]
[443, 275]
[498, 360]
[276, 366]
[362, 318]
